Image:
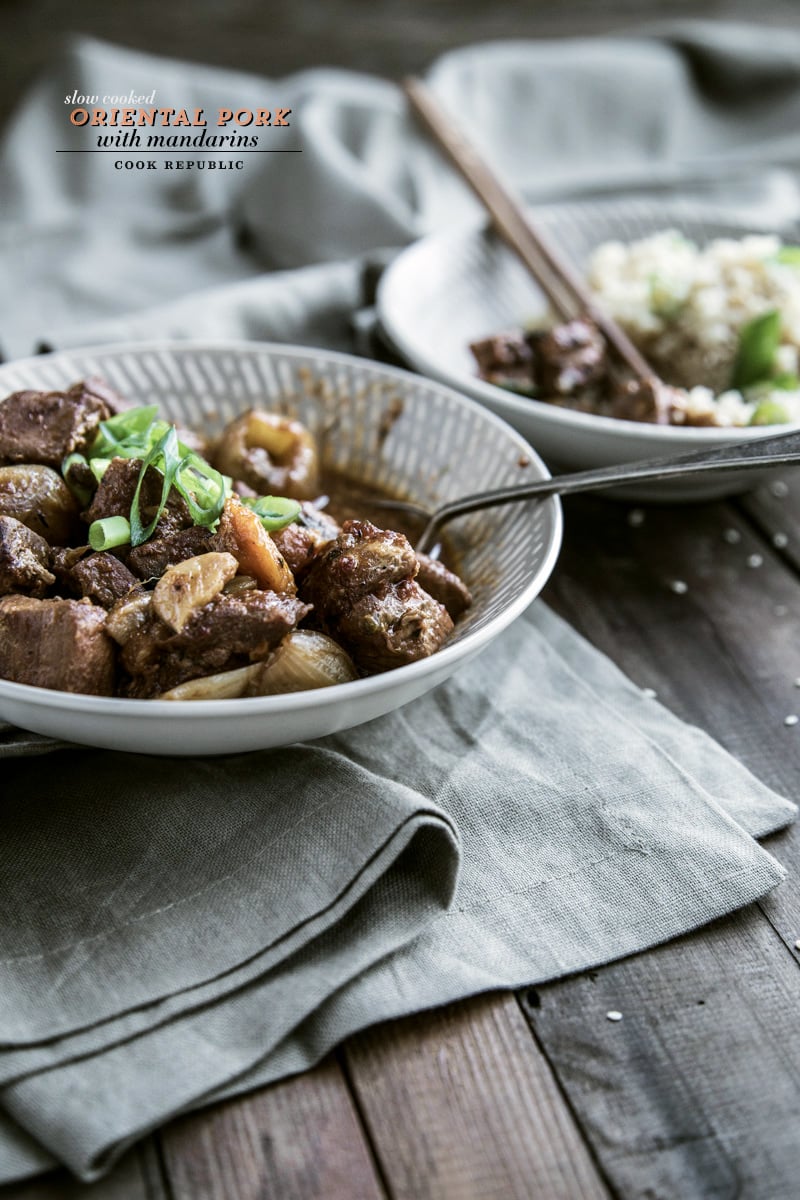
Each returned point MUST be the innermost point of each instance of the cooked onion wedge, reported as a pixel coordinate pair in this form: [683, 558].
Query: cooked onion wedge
[304, 660]
[190, 585]
[129, 615]
[227, 685]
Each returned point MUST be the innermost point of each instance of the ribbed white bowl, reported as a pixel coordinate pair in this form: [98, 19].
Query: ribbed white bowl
[453, 288]
[384, 427]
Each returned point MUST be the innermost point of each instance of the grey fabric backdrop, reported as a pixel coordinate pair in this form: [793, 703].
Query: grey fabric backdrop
[535, 815]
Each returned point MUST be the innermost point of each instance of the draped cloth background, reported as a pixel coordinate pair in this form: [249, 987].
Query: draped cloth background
[537, 814]
[90, 253]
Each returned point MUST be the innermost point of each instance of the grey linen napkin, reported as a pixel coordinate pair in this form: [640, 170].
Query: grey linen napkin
[533, 816]
[239, 917]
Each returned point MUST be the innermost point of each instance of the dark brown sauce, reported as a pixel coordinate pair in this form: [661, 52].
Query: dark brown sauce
[350, 501]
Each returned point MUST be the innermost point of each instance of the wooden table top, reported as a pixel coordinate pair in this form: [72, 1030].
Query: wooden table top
[695, 1093]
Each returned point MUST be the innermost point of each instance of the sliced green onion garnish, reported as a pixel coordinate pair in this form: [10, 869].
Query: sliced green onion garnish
[788, 255]
[165, 449]
[193, 478]
[787, 382]
[82, 494]
[130, 434]
[72, 460]
[139, 433]
[109, 532]
[202, 488]
[769, 412]
[131, 421]
[758, 343]
[99, 466]
[274, 512]
[114, 435]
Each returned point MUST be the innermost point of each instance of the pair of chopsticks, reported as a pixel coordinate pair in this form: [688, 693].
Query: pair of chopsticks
[561, 284]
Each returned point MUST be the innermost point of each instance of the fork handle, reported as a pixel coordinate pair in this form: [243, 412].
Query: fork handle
[779, 450]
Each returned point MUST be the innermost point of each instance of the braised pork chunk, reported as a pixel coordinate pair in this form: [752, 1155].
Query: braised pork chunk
[59, 644]
[44, 427]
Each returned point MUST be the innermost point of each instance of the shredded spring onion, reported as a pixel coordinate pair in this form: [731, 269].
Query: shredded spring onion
[167, 451]
[99, 466]
[274, 512]
[128, 434]
[758, 343]
[139, 433]
[199, 484]
[109, 532]
[72, 460]
[789, 256]
[770, 412]
[81, 493]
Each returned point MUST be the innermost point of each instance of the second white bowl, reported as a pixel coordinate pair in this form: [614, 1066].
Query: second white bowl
[453, 288]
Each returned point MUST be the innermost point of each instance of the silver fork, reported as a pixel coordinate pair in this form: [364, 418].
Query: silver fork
[777, 451]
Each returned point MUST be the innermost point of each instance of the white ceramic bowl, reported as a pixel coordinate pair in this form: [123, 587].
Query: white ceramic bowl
[453, 288]
[385, 427]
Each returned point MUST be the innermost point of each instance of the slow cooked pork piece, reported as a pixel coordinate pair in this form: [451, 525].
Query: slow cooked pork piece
[114, 497]
[364, 594]
[230, 631]
[25, 560]
[102, 578]
[652, 401]
[506, 360]
[569, 357]
[360, 559]
[103, 391]
[59, 644]
[151, 559]
[302, 541]
[567, 364]
[44, 427]
[63, 560]
[444, 585]
[397, 623]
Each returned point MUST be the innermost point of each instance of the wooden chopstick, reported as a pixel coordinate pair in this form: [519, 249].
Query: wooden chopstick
[562, 285]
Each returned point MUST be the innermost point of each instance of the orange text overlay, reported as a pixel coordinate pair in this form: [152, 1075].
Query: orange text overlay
[161, 117]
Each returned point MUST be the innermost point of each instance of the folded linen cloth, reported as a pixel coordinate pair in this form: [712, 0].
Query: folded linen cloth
[535, 815]
[239, 917]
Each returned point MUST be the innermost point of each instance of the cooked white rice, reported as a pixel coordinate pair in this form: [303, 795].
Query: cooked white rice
[685, 307]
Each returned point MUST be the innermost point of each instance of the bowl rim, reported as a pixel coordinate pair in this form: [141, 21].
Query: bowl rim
[117, 706]
[528, 409]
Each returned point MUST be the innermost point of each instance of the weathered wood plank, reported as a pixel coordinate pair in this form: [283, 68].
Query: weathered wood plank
[461, 1105]
[136, 1177]
[694, 1092]
[298, 1140]
[775, 510]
